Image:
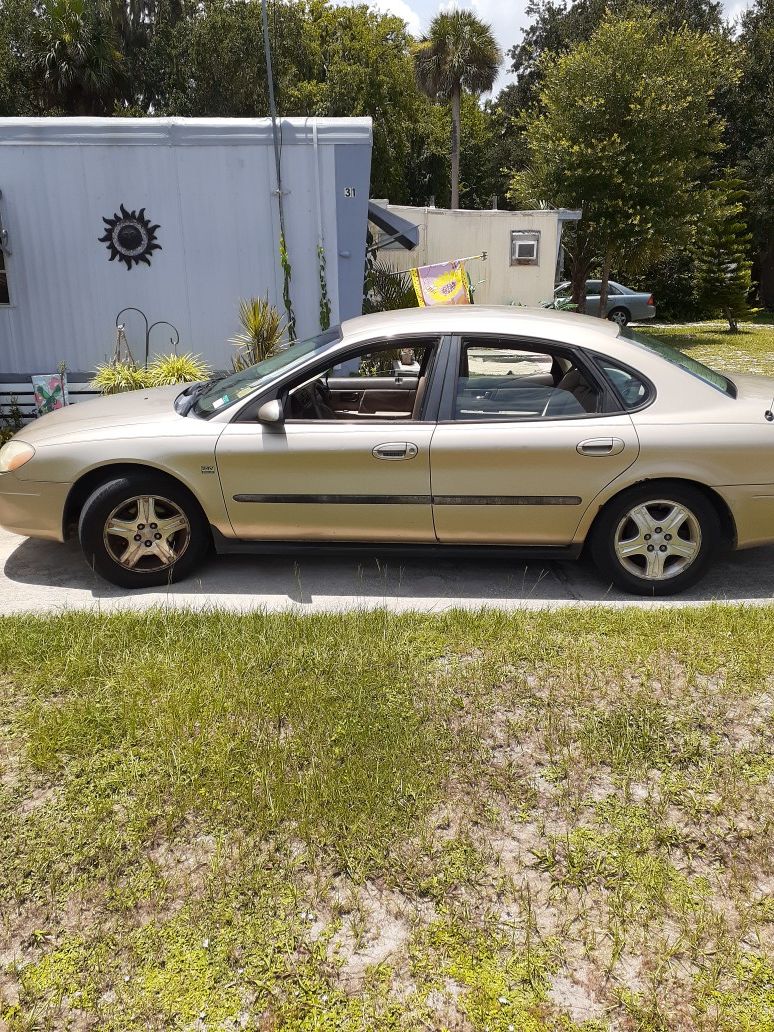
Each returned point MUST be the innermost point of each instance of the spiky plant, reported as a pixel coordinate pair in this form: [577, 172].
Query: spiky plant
[117, 377]
[262, 327]
[387, 290]
[459, 52]
[170, 369]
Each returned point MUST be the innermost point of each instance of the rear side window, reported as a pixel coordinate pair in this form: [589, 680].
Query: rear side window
[502, 380]
[677, 358]
[633, 391]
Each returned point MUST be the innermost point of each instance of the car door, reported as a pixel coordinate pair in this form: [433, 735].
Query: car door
[593, 296]
[351, 459]
[516, 462]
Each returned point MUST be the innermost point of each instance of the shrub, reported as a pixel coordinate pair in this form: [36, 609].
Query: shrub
[166, 370]
[117, 377]
[10, 421]
[387, 290]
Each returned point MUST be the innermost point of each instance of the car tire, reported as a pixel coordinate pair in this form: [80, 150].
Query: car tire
[656, 539]
[620, 315]
[143, 530]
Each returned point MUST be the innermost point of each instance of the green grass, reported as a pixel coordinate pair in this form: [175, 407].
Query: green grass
[546, 821]
[751, 350]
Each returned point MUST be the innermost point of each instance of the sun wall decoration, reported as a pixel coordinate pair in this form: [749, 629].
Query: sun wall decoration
[130, 237]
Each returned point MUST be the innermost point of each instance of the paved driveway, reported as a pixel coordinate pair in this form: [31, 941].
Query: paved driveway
[44, 577]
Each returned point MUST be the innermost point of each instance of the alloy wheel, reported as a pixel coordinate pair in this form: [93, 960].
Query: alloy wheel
[657, 540]
[147, 533]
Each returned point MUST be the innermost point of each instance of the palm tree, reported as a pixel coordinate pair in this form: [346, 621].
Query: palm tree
[77, 53]
[459, 52]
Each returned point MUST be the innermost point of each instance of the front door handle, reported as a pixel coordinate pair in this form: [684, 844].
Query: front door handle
[602, 446]
[395, 450]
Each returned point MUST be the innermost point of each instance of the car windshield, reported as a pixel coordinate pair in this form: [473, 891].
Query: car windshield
[690, 365]
[231, 389]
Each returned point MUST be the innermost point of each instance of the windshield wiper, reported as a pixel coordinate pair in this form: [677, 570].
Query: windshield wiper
[185, 402]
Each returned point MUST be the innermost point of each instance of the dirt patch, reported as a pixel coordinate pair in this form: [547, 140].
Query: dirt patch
[572, 993]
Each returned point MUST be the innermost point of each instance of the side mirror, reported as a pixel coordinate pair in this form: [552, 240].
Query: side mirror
[271, 412]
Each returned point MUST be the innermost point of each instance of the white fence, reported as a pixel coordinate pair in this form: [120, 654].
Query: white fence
[25, 398]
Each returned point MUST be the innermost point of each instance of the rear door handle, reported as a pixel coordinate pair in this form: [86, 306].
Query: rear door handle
[395, 450]
[602, 446]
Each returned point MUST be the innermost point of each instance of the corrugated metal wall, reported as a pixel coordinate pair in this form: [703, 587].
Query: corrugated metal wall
[209, 184]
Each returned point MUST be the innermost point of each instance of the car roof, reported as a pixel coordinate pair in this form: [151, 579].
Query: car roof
[539, 323]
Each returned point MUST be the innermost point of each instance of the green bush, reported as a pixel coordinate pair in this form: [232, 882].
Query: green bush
[117, 377]
[10, 421]
[166, 370]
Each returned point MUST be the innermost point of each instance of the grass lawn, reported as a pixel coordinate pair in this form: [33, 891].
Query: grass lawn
[542, 821]
[749, 351]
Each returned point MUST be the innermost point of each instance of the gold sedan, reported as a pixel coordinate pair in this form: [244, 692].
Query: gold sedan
[474, 429]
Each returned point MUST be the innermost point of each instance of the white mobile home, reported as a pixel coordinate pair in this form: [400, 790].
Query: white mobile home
[523, 249]
[177, 218]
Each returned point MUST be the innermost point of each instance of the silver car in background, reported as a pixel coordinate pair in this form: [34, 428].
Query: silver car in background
[624, 305]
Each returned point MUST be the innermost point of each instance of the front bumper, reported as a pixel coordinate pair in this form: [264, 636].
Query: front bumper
[32, 508]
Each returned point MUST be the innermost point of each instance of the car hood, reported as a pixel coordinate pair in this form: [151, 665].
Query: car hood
[131, 408]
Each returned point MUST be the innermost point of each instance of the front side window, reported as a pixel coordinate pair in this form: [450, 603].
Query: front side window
[378, 382]
[227, 391]
[502, 380]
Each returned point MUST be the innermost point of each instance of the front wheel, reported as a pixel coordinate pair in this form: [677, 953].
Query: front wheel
[620, 316]
[141, 530]
[656, 540]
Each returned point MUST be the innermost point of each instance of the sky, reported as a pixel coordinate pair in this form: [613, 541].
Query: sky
[507, 18]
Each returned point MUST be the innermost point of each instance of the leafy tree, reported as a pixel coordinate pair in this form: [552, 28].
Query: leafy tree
[328, 61]
[751, 137]
[723, 271]
[625, 131]
[459, 52]
[557, 26]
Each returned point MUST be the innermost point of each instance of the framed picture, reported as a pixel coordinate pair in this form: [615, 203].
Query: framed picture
[50, 390]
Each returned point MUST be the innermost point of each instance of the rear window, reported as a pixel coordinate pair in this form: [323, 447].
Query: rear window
[690, 365]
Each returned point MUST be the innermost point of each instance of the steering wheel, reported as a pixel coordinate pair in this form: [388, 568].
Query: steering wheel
[321, 400]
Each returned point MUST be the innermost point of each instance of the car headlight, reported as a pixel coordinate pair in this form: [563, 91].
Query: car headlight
[14, 454]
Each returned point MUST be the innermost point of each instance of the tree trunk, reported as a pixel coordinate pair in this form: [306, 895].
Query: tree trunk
[455, 147]
[579, 255]
[766, 261]
[604, 287]
[579, 271]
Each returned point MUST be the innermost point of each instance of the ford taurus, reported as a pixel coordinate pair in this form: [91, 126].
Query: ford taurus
[476, 429]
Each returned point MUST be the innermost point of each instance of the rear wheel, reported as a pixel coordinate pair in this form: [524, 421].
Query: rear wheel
[656, 539]
[620, 316]
[141, 531]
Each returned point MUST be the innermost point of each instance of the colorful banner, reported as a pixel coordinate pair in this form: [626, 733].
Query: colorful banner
[444, 284]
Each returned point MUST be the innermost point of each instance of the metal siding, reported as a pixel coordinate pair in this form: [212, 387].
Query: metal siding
[209, 184]
[353, 165]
